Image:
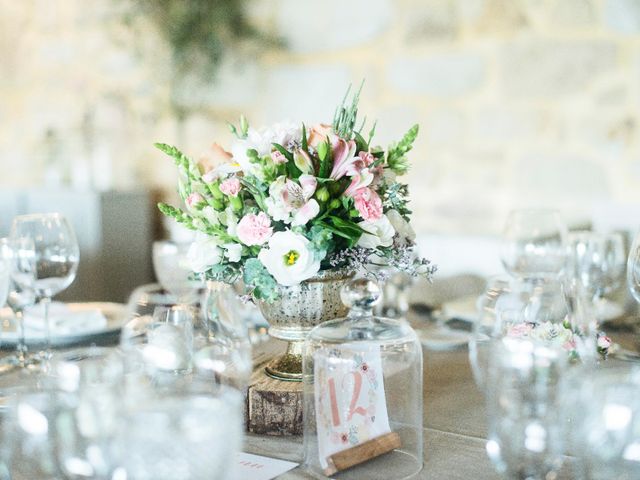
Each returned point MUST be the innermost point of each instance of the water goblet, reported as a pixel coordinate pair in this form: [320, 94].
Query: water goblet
[596, 262]
[171, 266]
[46, 259]
[534, 244]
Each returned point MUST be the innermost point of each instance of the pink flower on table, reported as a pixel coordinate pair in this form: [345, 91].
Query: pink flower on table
[278, 158]
[603, 342]
[520, 330]
[230, 186]
[343, 158]
[194, 199]
[254, 229]
[369, 204]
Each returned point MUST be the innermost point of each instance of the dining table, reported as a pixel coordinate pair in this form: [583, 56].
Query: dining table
[455, 427]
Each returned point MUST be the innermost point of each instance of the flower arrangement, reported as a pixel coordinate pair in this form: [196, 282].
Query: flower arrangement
[288, 201]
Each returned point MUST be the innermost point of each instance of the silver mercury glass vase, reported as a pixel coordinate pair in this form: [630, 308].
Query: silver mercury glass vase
[297, 310]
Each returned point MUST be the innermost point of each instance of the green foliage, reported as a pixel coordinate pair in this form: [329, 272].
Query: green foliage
[346, 115]
[396, 155]
[256, 277]
[224, 272]
[320, 242]
[395, 196]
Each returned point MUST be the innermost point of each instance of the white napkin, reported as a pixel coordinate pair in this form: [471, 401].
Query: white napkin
[62, 320]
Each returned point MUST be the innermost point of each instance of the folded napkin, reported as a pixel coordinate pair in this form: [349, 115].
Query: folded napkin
[62, 320]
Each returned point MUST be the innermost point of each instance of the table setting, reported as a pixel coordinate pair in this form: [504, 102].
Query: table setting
[284, 340]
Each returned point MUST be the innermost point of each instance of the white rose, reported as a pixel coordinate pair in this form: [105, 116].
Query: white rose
[378, 233]
[400, 225]
[233, 251]
[203, 253]
[288, 258]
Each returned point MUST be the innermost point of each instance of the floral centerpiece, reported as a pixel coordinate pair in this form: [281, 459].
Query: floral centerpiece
[289, 201]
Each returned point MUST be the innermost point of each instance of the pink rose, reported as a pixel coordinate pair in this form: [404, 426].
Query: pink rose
[254, 229]
[368, 204]
[318, 134]
[214, 157]
[193, 200]
[278, 158]
[230, 186]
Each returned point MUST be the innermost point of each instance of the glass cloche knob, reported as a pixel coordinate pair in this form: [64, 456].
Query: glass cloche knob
[361, 294]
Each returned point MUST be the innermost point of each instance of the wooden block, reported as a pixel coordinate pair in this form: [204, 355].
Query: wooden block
[361, 453]
[273, 407]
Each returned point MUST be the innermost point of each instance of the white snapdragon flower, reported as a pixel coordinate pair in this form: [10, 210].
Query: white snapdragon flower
[288, 258]
[203, 253]
[378, 233]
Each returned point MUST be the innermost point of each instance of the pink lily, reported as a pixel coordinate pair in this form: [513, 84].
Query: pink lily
[343, 158]
[361, 179]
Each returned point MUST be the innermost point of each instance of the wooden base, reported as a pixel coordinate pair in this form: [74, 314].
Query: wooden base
[274, 407]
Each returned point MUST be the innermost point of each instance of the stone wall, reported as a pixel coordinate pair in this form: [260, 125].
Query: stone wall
[521, 102]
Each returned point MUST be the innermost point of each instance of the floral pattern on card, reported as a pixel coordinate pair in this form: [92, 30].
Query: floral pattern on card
[349, 397]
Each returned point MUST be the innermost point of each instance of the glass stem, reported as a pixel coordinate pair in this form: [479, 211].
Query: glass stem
[46, 353]
[22, 349]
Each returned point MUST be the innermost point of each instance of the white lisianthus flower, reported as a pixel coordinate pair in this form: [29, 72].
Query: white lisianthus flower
[401, 226]
[203, 253]
[233, 251]
[378, 233]
[288, 258]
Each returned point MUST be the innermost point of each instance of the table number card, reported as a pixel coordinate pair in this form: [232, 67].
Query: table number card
[350, 402]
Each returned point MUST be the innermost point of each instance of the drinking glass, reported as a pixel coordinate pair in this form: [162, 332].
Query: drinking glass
[30, 428]
[182, 435]
[602, 405]
[550, 311]
[171, 265]
[597, 263]
[93, 379]
[525, 424]
[633, 268]
[6, 260]
[223, 348]
[158, 343]
[534, 244]
[46, 259]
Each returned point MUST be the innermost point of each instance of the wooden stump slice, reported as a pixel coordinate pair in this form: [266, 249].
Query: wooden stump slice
[273, 407]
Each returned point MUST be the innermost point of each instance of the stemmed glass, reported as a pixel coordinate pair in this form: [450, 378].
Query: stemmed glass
[633, 269]
[171, 265]
[596, 262]
[18, 300]
[46, 259]
[534, 244]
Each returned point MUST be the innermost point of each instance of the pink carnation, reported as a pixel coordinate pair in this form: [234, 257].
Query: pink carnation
[604, 342]
[278, 158]
[369, 204]
[254, 229]
[366, 159]
[230, 186]
[193, 200]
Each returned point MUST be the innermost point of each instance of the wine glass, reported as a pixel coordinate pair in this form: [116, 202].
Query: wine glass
[525, 421]
[633, 268]
[18, 299]
[46, 259]
[171, 265]
[596, 261]
[534, 244]
[5, 270]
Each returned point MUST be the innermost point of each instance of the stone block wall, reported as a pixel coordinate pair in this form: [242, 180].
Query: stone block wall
[521, 102]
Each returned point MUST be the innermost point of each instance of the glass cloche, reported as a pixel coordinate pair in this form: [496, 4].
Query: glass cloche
[363, 393]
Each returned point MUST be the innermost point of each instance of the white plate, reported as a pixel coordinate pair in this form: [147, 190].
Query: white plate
[115, 313]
